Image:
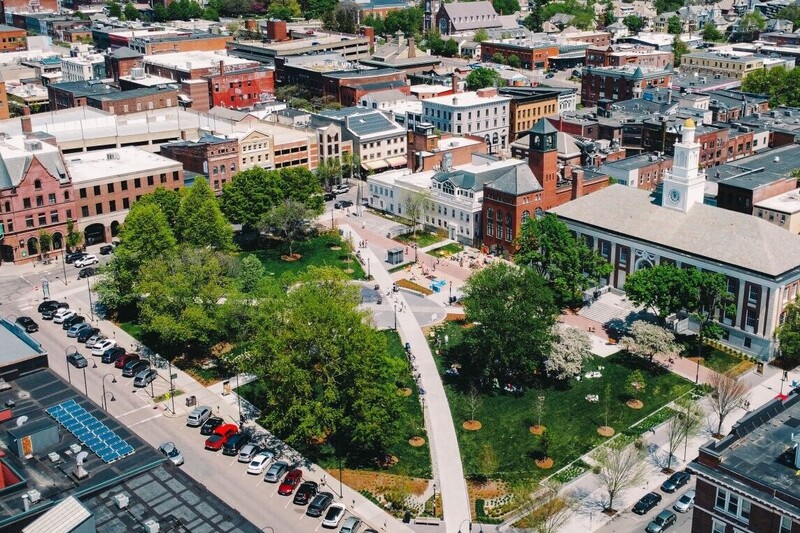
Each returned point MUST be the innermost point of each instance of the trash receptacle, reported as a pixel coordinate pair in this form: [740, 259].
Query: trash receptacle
[191, 401]
[407, 517]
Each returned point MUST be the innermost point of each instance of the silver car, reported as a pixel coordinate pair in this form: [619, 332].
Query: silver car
[172, 453]
[686, 502]
[276, 472]
[247, 453]
[95, 339]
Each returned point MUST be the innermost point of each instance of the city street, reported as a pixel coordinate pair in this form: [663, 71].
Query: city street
[630, 522]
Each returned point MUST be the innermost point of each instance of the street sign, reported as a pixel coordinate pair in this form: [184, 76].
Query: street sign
[173, 376]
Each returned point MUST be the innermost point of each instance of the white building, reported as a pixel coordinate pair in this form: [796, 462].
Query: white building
[454, 194]
[83, 68]
[483, 113]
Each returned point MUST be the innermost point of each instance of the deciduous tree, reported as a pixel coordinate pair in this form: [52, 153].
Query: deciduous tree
[618, 469]
[729, 394]
[635, 384]
[665, 289]
[200, 221]
[552, 509]
[680, 427]
[648, 340]
[414, 204]
[674, 25]
[251, 272]
[789, 336]
[480, 35]
[506, 7]
[289, 221]
[169, 202]
[483, 77]
[634, 23]
[679, 47]
[568, 353]
[711, 33]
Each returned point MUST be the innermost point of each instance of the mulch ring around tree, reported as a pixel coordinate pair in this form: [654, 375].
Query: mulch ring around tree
[405, 391]
[336, 248]
[536, 429]
[545, 463]
[416, 442]
[387, 461]
[348, 270]
[472, 425]
[605, 431]
[290, 258]
[634, 404]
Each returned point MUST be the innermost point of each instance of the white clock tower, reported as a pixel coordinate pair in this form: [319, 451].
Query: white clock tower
[685, 185]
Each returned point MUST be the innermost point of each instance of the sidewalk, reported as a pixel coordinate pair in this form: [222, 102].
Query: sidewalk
[446, 457]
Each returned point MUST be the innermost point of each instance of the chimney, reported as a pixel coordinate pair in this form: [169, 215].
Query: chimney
[221, 67]
[577, 183]
[454, 84]
[412, 48]
[27, 127]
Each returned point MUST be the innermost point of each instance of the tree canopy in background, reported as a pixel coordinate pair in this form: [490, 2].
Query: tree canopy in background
[634, 23]
[505, 7]
[781, 86]
[664, 6]
[584, 13]
[711, 33]
[679, 47]
[484, 77]
[674, 25]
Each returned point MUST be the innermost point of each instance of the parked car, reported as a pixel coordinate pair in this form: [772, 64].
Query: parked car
[290, 482]
[319, 504]
[112, 354]
[235, 443]
[102, 346]
[72, 257]
[647, 502]
[132, 368]
[328, 196]
[50, 304]
[676, 481]
[305, 492]
[342, 204]
[73, 331]
[210, 425]
[85, 261]
[276, 472]
[549, 76]
[62, 314]
[247, 453]
[260, 462]
[686, 502]
[87, 272]
[49, 312]
[173, 454]
[125, 359]
[220, 436]
[95, 339]
[340, 189]
[86, 333]
[198, 416]
[28, 324]
[77, 360]
[333, 516]
[106, 249]
[71, 321]
[351, 525]
[661, 522]
[145, 377]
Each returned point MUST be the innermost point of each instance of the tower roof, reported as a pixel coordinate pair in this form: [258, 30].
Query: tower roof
[543, 126]
[688, 123]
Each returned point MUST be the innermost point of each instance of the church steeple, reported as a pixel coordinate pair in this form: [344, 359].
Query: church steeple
[684, 185]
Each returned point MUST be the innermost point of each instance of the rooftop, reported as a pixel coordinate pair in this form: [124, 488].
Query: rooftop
[735, 239]
[104, 164]
[631, 71]
[788, 202]
[758, 170]
[17, 155]
[631, 163]
[17, 345]
[82, 88]
[186, 61]
[465, 100]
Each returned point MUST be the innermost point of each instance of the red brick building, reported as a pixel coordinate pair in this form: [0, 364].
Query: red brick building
[217, 158]
[426, 149]
[627, 54]
[620, 83]
[12, 39]
[121, 62]
[24, 6]
[240, 88]
[134, 100]
[532, 55]
[38, 198]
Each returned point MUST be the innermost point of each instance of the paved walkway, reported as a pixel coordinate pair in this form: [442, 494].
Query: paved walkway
[446, 458]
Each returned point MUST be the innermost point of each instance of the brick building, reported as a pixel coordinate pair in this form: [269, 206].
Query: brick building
[24, 6]
[239, 89]
[4, 111]
[164, 44]
[618, 55]
[621, 83]
[194, 65]
[645, 171]
[74, 93]
[144, 99]
[107, 182]
[217, 158]
[12, 39]
[35, 196]
[426, 149]
[121, 62]
[593, 37]
[718, 143]
[529, 104]
[532, 54]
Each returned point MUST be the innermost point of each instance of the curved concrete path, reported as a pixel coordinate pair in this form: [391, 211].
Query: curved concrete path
[446, 457]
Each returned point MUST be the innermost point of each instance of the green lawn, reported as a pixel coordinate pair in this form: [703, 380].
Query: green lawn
[423, 238]
[414, 462]
[133, 329]
[714, 359]
[314, 252]
[447, 250]
[571, 420]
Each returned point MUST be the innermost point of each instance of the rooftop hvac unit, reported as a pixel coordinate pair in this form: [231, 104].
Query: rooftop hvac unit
[34, 495]
[112, 156]
[137, 73]
[151, 526]
[121, 500]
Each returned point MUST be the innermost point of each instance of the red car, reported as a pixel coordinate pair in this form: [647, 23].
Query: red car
[290, 482]
[127, 358]
[220, 436]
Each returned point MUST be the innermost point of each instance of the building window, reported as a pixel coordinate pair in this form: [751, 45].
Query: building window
[37, 185]
[85, 211]
[112, 206]
[110, 187]
[125, 185]
[26, 203]
[97, 190]
[175, 176]
[39, 201]
[732, 504]
[126, 204]
[54, 217]
[163, 178]
[98, 208]
[752, 294]
[150, 180]
[51, 198]
[42, 219]
[137, 183]
[786, 525]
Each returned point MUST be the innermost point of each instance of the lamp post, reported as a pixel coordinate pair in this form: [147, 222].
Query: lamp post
[369, 270]
[85, 386]
[434, 499]
[469, 526]
[784, 377]
[113, 399]
[64, 265]
[395, 317]
[451, 294]
[66, 357]
[113, 380]
[91, 305]
[239, 399]
[171, 386]
[416, 257]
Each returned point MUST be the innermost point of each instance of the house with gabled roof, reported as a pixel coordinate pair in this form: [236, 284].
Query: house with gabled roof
[458, 17]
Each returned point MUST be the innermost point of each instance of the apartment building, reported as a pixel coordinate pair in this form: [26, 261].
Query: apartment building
[621, 83]
[84, 67]
[730, 64]
[216, 158]
[12, 39]
[529, 104]
[617, 55]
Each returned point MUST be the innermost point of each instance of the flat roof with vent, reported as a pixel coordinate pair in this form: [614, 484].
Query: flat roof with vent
[116, 163]
[17, 345]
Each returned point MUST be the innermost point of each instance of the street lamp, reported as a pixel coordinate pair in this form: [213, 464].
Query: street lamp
[113, 399]
[469, 524]
[113, 380]
[239, 399]
[66, 357]
[91, 305]
[434, 499]
[451, 294]
[64, 266]
[369, 271]
[395, 317]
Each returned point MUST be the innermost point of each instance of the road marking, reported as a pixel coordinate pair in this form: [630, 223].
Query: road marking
[134, 410]
[145, 420]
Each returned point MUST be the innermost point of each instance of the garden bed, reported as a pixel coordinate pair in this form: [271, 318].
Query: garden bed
[422, 238]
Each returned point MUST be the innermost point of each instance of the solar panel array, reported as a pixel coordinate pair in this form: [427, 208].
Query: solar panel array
[90, 431]
[370, 123]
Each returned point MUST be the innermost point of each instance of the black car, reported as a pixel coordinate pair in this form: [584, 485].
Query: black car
[51, 306]
[235, 443]
[87, 272]
[648, 501]
[28, 324]
[70, 258]
[210, 425]
[77, 360]
[106, 249]
[328, 196]
[86, 333]
[71, 321]
[319, 504]
[305, 492]
[676, 481]
[342, 204]
[112, 354]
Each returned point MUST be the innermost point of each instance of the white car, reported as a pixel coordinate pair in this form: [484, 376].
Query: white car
[172, 453]
[63, 314]
[340, 189]
[102, 346]
[686, 502]
[259, 463]
[333, 516]
[92, 341]
[247, 453]
[86, 261]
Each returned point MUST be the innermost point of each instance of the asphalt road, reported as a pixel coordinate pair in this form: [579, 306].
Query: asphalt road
[257, 500]
[629, 522]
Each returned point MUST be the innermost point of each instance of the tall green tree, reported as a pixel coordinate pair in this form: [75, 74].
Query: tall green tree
[74, 237]
[289, 221]
[711, 300]
[130, 12]
[200, 221]
[679, 47]
[481, 35]
[789, 336]
[506, 7]
[114, 9]
[666, 6]
[546, 245]
[674, 25]
[634, 23]
[711, 34]
[483, 77]
[584, 15]
[514, 313]
[342, 18]
[792, 13]
[167, 200]
[664, 289]
[752, 22]
[251, 272]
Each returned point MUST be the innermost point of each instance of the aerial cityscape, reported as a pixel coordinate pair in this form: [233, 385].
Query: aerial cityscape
[379, 266]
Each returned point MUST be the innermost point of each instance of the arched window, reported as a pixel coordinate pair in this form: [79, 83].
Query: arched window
[508, 219]
[447, 188]
[8, 207]
[66, 195]
[526, 215]
[499, 216]
[489, 213]
[215, 171]
[37, 184]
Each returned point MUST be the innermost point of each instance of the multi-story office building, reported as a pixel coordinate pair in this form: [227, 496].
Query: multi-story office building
[730, 64]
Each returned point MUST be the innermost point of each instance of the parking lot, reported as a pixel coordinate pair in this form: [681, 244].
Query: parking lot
[629, 522]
